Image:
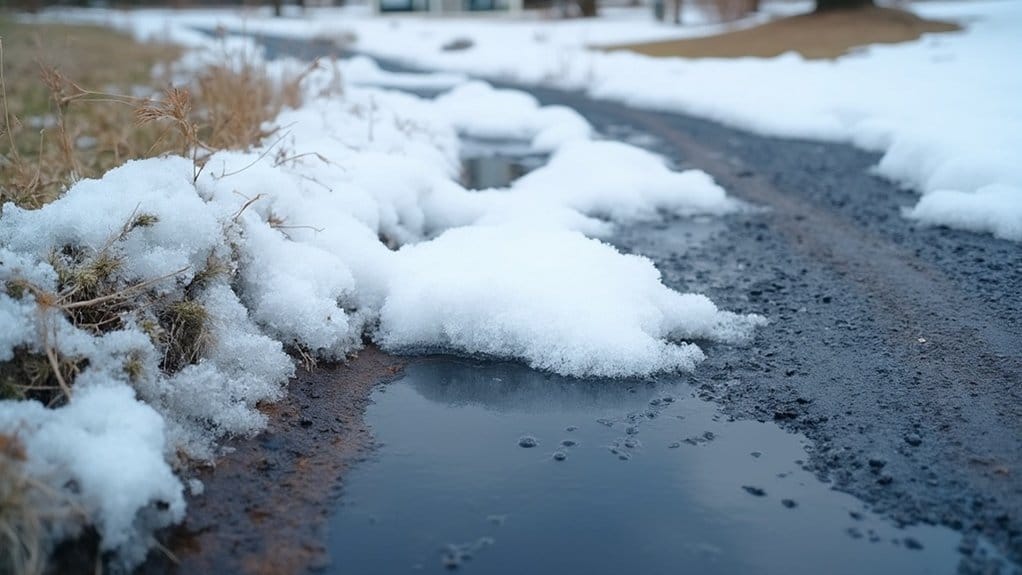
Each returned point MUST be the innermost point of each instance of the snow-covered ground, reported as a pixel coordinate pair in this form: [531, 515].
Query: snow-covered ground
[946, 111]
[348, 225]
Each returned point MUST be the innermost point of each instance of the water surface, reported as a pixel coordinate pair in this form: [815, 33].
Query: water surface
[653, 480]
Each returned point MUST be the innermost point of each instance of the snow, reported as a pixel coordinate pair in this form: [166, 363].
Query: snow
[944, 110]
[557, 300]
[621, 182]
[111, 447]
[477, 109]
[349, 225]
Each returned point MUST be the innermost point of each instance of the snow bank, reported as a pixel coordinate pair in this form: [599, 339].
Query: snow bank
[347, 225]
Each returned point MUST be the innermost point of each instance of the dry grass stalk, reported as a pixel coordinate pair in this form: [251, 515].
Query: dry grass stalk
[21, 526]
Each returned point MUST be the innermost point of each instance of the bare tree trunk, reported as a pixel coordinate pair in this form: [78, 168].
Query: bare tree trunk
[278, 8]
[677, 11]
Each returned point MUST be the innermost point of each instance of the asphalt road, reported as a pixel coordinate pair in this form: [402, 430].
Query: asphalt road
[896, 349]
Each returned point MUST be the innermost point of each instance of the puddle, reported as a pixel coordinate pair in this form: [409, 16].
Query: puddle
[496, 163]
[624, 477]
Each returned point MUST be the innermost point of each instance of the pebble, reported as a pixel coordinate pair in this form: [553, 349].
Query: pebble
[560, 456]
[913, 439]
[756, 491]
[568, 443]
[789, 503]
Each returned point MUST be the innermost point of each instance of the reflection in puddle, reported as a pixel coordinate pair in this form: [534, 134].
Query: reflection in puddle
[622, 477]
[496, 163]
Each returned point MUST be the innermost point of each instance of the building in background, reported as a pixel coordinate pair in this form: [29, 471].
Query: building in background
[447, 6]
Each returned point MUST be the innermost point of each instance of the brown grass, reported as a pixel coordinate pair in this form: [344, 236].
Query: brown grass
[21, 524]
[814, 36]
[69, 113]
[58, 128]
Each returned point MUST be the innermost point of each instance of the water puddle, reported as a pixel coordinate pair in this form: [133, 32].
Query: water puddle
[499, 469]
[496, 163]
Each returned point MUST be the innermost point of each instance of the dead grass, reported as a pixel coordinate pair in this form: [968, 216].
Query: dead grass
[69, 110]
[815, 36]
[225, 107]
[64, 118]
[21, 525]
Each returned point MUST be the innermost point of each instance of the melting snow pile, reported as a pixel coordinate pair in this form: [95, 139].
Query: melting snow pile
[169, 297]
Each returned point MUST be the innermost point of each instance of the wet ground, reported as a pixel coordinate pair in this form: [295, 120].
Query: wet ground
[895, 352]
[496, 468]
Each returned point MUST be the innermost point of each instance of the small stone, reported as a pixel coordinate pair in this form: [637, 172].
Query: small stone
[570, 428]
[755, 491]
[568, 443]
[527, 441]
[911, 543]
[789, 503]
[885, 479]
[632, 430]
[674, 445]
[913, 439]
[756, 454]
[560, 456]
[877, 463]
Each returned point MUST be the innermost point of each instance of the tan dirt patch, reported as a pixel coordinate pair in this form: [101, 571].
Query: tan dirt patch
[823, 35]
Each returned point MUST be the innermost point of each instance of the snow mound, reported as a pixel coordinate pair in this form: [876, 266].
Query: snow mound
[557, 300]
[621, 182]
[478, 109]
[110, 447]
[995, 209]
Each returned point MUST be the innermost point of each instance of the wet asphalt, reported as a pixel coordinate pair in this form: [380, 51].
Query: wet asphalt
[895, 348]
